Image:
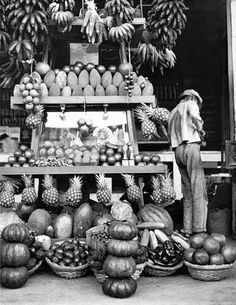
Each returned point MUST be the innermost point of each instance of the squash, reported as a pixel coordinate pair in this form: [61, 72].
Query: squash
[123, 230]
[119, 267]
[39, 221]
[150, 212]
[13, 277]
[15, 232]
[122, 247]
[83, 220]
[8, 217]
[119, 288]
[63, 226]
[15, 255]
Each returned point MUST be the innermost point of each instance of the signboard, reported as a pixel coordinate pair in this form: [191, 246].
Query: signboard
[84, 52]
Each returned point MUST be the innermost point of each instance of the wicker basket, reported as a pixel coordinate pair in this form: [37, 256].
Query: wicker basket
[209, 272]
[101, 276]
[68, 272]
[36, 267]
[154, 270]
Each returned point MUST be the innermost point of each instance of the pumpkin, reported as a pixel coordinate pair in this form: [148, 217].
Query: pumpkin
[119, 267]
[119, 288]
[123, 230]
[15, 254]
[102, 219]
[13, 277]
[122, 247]
[150, 212]
[15, 232]
[8, 217]
[39, 221]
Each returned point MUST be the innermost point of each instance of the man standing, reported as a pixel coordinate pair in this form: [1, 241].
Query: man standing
[185, 131]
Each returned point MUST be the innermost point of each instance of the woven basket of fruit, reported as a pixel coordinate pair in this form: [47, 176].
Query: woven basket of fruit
[69, 258]
[97, 237]
[156, 270]
[209, 272]
[35, 268]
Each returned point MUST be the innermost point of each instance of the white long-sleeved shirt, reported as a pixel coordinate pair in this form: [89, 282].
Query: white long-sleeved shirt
[184, 123]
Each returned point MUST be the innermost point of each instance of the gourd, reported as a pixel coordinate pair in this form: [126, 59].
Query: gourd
[8, 217]
[119, 267]
[119, 288]
[39, 220]
[63, 226]
[16, 232]
[122, 247]
[13, 277]
[123, 230]
[83, 219]
[15, 255]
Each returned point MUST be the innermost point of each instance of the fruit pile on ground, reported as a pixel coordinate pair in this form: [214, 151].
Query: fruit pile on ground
[15, 256]
[119, 264]
[211, 249]
[23, 156]
[90, 80]
[69, 253]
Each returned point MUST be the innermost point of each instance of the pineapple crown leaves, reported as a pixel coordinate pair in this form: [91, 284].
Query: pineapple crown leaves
[27, 180]
[76, 181]
[141, 115]
[129, 180]
[8, 186]
[101, 181]
[155, 181]
[48, 181]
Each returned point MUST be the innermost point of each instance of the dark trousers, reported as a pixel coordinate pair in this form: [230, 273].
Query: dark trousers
[195, 199]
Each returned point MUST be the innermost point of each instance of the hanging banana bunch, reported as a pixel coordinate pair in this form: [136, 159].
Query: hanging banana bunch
[119, 20]
[166, 21]
[20, 51]
[61, 13]
[28, 20]
[4, 35]
[93, 25]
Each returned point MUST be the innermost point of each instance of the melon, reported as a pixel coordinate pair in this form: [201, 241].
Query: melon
[54, 90]
[83, 220]
[49, 78]
[148, 90]
[63, 226]
[66, 91]
[77, 91]
[99, 91]
[152, 213]
[111, 90]
[61, 79]
[39, 221]
[88, 91]
[106, 79]
[83, 79]
[122, 91]
[43, 89]
[117, 79]
[72, 80]
[95, 78]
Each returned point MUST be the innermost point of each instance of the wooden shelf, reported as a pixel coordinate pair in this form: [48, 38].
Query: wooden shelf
[157, 142]
[17, 101]
[85, 170]
[78, 21]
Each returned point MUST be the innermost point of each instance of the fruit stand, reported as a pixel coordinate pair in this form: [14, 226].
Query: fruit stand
[84, 196]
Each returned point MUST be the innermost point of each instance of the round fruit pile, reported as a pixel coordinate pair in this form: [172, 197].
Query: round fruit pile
[69, 253]
[23, 156]
[147, 159]
[210, 250]
[110, 156]
[30, 91]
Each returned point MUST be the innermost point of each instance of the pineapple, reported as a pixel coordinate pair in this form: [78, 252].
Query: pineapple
[74, 193]
[34, 119]
[103, 192]
[167, 190]
[7, 198]
[133, 191]
[156, 193]
[148, 127]
[157, 115]
[28, 195]
[50, 194]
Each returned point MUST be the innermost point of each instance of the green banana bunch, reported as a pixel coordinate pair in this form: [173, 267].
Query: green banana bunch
[148, 54]
[166, 21]
[20, 52]
[5, 38]
[28, 19]
[122, 8]
[63, 5]
[3, 19]
[123, 32]
[63, 20]
[93, 25]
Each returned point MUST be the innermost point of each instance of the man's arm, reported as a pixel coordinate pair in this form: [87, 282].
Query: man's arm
[194, 113]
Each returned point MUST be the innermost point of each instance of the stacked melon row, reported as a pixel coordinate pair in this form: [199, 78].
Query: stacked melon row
[94, 82]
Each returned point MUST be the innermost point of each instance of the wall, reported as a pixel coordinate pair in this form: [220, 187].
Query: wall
[233, 25]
